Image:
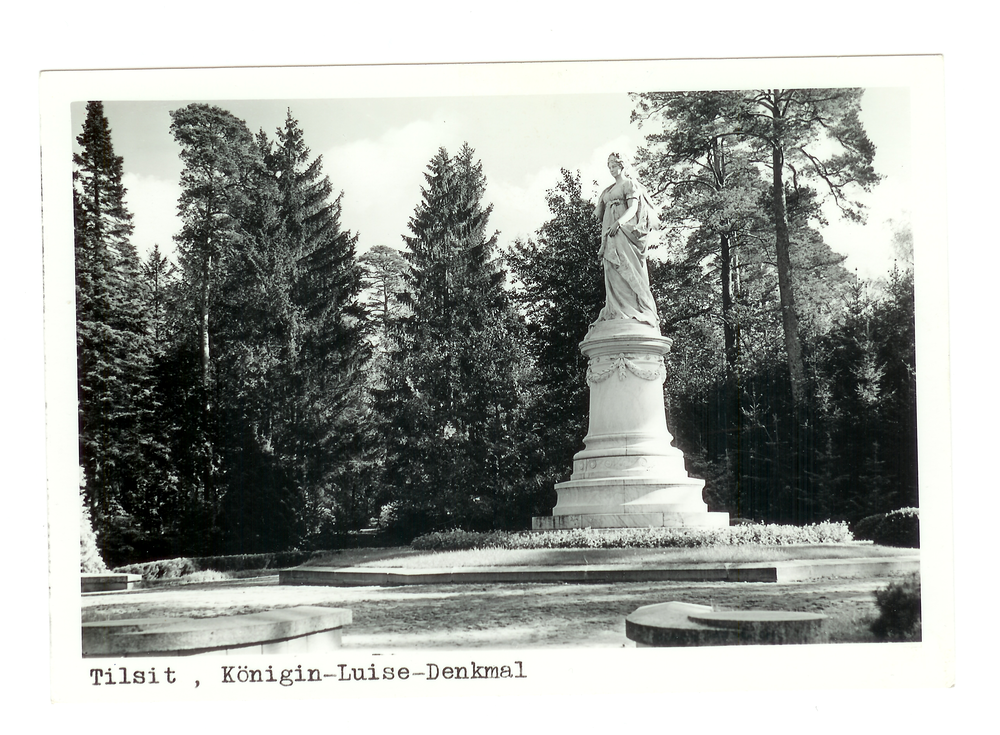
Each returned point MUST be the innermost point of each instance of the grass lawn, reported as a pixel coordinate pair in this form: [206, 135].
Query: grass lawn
[406, 558]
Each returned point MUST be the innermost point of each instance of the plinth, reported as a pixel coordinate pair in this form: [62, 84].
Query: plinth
[629, 474]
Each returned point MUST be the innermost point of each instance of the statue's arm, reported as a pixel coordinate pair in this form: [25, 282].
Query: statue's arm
[633, 207]
[599, 207]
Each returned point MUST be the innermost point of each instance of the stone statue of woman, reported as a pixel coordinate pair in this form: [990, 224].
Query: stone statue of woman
[627, 216]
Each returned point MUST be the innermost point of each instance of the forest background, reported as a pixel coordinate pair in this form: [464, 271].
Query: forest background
[267, 387]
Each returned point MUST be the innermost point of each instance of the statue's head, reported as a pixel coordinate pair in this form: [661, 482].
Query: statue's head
[617, 164]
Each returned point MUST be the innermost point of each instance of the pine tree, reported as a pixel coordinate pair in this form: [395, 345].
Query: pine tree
[804, 134]
[713, 192]
[778, 284]
[790, 126]
[383, 277]
[217, 151]
[221, 165]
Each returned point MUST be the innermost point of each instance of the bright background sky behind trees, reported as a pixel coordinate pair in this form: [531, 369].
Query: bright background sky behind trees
[376, 151]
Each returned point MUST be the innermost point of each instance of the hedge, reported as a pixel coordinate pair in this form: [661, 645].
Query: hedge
[587, 538]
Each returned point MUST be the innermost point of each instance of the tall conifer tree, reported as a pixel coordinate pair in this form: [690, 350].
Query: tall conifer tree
[454, 389]
[795, 135]
[113, 349]
[219, 156]
[331, 352]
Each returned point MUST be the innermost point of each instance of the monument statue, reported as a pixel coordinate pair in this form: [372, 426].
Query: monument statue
[629, 474]
[626, 215]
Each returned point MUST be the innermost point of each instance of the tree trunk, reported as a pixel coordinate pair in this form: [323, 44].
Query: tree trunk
[205, 356]
[789, 318]
[208, 469]
[728, 319]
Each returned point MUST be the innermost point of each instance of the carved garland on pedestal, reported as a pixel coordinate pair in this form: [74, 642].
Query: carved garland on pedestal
[622, 365]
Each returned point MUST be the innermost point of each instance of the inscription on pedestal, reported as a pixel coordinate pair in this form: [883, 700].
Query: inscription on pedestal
[610, 463]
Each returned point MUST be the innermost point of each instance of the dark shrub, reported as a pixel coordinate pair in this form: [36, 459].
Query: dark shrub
[243, 562]
[162, 569]
[122, 541]
[899, 611]
[897, 528]
[182, 566]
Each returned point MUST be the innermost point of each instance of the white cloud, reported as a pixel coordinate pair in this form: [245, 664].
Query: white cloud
[153, 203]
[519, 209]
[869, 246]
[382, 180]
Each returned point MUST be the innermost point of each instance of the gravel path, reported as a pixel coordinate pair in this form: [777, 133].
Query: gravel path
[496, 616]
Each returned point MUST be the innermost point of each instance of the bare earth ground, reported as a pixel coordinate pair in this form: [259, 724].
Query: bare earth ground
[497, 616]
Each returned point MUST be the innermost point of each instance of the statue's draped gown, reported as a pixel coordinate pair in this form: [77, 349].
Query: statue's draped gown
[626, 279]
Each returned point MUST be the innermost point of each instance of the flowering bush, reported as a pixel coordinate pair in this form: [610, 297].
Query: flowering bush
[617, 538]
[90, 556]
[457, 540]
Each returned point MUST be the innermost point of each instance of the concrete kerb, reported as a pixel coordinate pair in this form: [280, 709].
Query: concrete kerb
[778, 572]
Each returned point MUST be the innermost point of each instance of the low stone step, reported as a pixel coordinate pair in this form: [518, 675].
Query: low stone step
[304, 629]
[108, 582]
[772, 572]
[682, 624]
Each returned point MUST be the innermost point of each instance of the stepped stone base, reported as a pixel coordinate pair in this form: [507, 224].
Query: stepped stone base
[630, 520]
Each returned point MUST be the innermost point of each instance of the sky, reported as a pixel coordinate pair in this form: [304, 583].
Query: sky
[377, 150]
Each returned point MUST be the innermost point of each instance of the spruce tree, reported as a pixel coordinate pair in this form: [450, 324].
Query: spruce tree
[330, 437]
[113, 349]
[454, 387]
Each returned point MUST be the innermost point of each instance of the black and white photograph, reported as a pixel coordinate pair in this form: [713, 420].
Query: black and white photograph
[472, 379]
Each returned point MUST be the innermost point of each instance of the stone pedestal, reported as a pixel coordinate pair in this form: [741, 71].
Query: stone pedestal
[628, 474]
